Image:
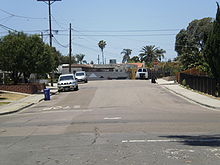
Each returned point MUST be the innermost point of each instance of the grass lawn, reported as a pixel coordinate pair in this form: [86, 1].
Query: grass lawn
[7, 97]
[3, 103]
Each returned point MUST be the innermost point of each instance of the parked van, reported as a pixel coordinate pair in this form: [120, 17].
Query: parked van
[141, 73]
[81, 76]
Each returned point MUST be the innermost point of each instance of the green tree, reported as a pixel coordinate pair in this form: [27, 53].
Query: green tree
[102, 45]
[134, 59]
[65, 59]
[21, 54]
[190, 44]
[126, 55]
[150, 53]
[79, 58]
[212, 49]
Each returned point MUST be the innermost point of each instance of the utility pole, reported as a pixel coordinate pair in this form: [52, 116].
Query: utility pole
[98, 59]
[50, 2]
[70, 49]
[42, 36]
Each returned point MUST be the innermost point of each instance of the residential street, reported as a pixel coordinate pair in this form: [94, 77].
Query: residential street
[118, 122]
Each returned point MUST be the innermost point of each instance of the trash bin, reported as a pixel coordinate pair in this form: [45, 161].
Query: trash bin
[153, 80]
[47, 94]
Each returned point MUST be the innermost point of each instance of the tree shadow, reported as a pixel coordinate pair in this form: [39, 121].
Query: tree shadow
[198, 140]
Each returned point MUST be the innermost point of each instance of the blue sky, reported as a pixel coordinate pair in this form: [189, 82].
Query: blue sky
[122, 24]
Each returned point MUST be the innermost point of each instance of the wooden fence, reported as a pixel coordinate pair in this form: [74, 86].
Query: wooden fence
[200, 83]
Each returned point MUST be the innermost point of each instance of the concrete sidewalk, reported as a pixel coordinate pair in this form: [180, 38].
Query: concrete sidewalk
[191, 95]
[18, 105]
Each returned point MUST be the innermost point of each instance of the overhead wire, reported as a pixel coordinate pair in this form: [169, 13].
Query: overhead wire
[119, 31]
[19, 16]
[57, 42]
[7, 28]
[55, 20]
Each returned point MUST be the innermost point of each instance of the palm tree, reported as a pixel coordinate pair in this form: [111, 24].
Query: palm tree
[79, 58]
[126, 53]
[150, 53]
[102, 45]
[160, 54]
[135, 59]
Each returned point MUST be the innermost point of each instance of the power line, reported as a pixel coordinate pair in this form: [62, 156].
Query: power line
[117, 35]
[7, 28]
[85, 47]
[57, 42]
[19, 16]
[119, 31]
[54, 19]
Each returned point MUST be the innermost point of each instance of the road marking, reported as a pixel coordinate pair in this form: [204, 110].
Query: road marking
[112, 118]
[57, 107]
[67, 107]
[76, 106]
[46, 109]
[170, 140]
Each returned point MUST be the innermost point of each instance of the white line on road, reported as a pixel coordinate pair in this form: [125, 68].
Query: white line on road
[170, 140]
[76, 106]
[112, 118]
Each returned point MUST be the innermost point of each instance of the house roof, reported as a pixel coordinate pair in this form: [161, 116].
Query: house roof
[139, 65]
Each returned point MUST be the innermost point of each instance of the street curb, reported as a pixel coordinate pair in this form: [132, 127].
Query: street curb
[17, 110]
[24, 107]
[209, 106]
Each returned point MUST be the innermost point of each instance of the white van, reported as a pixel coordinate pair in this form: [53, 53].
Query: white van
[141, 73]
[81, 76]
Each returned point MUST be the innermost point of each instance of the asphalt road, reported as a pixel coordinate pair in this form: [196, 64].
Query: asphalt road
[112, 123]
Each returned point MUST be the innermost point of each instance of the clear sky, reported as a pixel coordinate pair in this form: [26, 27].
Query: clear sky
[123, 24]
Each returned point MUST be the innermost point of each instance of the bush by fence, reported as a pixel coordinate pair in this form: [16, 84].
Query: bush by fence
[158, 73]
[200, 83]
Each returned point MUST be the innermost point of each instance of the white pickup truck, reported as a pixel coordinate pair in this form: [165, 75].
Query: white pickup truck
[141, 73]
[67, 82]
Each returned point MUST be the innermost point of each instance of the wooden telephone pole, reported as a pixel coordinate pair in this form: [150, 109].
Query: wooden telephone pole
[70, 49]
[50, 2]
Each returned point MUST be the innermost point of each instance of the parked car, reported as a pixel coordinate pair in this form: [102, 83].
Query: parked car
[141, 73]
[81, 76]
[67, 82]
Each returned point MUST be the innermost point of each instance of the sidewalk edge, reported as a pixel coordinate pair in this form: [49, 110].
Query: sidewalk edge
[209, 106]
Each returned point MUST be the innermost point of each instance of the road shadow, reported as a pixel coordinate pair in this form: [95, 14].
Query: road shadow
[198, 140]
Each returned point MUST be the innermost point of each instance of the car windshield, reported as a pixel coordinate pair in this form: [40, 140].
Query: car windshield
[144, 70]
[79, 74]
[66, 78]
[139, 70]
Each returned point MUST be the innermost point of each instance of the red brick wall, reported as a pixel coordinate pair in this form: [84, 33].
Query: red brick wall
[24, 88]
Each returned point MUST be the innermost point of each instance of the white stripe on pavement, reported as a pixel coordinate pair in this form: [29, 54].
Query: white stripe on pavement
[170, 140]
[112, 118]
